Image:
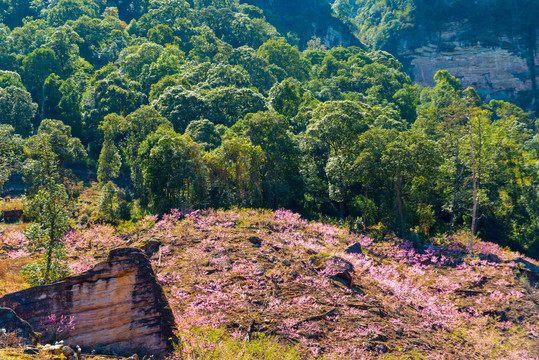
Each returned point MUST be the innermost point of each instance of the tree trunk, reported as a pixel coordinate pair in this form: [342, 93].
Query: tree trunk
[49, 252]
[455, 190]
[474, 209]
[398, 199]
[366, 207]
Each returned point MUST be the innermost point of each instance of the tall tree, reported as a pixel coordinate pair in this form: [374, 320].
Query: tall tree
[48, 208]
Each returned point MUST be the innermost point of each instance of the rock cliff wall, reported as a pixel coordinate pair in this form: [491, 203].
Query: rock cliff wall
[118, 307]
[500, 70]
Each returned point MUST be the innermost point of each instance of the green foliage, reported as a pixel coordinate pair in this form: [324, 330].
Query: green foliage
[35, 273]
[280, 183]
[17, 109]
[286, 57]
[173, 170]
[193, 345]
[286, 97]
[11, 153]
[382, 24]
[203, 103]
[65, 10]
[181, 106]
[10, 78]
[37, 66]
[48, 209]
[107, 201]
[110, 162]
[203, 132]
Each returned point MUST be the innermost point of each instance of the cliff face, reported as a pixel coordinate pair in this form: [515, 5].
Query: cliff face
[117, 307]
[500, 70]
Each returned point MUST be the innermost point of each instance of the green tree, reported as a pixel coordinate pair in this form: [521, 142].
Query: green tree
[181, 106]
[110, 162]
[285, 56]
[256, 66]
[205, 46]
[36, 68]
[342, 8]
[128, 133]
[281, 183]
[173, 170]
[286, 97]
[235, 173]
[17, 109]
[11, 153]
[227, 105]
[48, 210]
[204, 133]
[106, 201]
[53, 136]
[330, 138]
[161, 34]
[10, 78]
[135, 60]
[65, 10]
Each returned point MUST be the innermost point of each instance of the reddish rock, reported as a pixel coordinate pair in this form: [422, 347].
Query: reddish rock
[118, 307]
[494, 71]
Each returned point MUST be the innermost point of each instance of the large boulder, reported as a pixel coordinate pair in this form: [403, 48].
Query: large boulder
[117, 307]
[11, 323]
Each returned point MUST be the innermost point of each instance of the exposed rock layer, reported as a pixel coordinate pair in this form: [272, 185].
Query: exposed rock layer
[501, 70]
[118, 307]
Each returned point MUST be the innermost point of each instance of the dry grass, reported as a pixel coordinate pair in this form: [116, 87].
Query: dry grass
[7, 204]
[10, 278]
[209, 271]
[18, 354]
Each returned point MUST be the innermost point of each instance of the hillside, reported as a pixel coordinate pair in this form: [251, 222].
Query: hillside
[302, 20]
[290, 287]
[490, 45]
[207, 104]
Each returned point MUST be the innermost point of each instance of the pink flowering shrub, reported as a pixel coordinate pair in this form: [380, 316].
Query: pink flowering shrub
[84, 263]
[58, 325]
[217, 281]
[13, 240]
[100, 236]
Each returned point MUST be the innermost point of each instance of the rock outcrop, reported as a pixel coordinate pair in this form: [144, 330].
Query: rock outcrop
[117, 307]
[11, 323]
[500, 70]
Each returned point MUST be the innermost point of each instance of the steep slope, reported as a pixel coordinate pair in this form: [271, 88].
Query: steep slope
[307, 18]
[244, 275]
[490, 44]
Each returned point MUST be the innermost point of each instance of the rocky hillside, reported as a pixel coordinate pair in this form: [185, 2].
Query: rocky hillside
[272, 285]
[303, 19]
[491, 45]
[498, 71]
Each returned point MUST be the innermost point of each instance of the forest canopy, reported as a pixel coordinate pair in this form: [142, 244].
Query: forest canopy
[203, 103]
